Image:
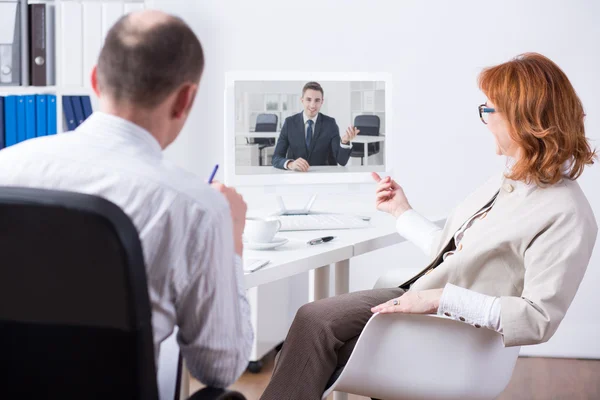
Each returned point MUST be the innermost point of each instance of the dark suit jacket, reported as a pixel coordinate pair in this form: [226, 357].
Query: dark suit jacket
[324, 148]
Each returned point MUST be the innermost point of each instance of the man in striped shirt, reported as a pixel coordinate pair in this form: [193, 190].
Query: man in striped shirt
[147, 78]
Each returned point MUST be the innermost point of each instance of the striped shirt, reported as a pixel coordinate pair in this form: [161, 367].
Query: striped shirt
[195, 280]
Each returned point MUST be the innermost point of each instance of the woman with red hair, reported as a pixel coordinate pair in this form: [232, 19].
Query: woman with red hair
[509, 258]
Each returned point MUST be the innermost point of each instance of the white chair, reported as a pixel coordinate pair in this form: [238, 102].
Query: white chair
[400, 356]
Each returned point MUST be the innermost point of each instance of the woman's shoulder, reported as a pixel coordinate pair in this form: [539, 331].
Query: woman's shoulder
[563, 197]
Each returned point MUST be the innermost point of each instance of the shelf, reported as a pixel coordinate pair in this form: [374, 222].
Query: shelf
[18, 90]
[92, 19]
[76, 91]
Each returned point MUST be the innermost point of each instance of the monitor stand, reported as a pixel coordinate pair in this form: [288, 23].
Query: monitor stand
[283, 210]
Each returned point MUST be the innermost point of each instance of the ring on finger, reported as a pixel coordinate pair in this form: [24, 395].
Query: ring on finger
[395, 302]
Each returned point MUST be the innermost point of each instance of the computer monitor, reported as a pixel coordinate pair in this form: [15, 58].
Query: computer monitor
[269, 139]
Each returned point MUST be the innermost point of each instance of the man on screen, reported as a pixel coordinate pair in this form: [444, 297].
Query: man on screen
[311, 138]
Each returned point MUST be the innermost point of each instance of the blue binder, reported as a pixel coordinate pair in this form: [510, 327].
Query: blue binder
[10, 120]
[51, 117]
[21, 118]
[77, 109]
[86, 103]
[40, 108]
[30, 117]
[2, 144]
[69, 113]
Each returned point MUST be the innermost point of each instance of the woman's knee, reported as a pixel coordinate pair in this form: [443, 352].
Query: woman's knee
[308, 312]
[314, 313]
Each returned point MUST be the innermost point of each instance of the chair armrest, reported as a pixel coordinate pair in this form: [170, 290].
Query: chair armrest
[210, 393]
[426, 356]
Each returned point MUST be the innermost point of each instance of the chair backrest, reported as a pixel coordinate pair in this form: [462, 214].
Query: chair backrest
[368, 126]
[266, 123]
[407, 356]
[75, 318]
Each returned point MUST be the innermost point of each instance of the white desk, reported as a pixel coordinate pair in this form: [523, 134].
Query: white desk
[270, 170]
[247, 155]
[297, 257]
[366, 140]
[259, 135]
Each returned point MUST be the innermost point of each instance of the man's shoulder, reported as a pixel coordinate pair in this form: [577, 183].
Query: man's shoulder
[293, 118]
[29, 149]
[327, 118]
[328, 125]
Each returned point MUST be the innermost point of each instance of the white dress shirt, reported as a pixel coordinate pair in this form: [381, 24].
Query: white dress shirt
[314, 120]
[195, 280]
[477, 309]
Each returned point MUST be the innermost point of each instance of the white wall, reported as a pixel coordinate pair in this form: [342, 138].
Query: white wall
[434, 51]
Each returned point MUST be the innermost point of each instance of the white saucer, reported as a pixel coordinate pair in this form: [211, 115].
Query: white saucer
[276, 242]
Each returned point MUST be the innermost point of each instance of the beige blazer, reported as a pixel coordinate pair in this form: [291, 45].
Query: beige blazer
[531, 250]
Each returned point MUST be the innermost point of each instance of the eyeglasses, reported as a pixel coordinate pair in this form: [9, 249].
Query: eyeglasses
[484, 112]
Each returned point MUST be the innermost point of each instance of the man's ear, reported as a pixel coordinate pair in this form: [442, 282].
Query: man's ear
[94, 80]
[184, 99]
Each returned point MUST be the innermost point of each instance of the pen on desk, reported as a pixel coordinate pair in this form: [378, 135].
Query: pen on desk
[320, 240]
[212, 175]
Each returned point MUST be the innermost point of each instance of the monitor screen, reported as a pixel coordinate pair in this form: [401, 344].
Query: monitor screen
[293, 127]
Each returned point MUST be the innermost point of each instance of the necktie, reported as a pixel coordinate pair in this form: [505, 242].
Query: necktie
[309, 133]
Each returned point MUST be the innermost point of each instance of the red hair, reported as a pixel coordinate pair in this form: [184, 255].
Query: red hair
[545, 118]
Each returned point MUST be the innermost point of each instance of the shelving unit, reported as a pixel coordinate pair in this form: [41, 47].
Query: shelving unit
[281, 104]
[64, 54]
[368, 98]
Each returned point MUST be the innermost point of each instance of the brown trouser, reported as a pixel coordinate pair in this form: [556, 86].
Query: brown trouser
[320, 341]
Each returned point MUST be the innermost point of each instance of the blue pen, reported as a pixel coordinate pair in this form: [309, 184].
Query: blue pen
[214, 172]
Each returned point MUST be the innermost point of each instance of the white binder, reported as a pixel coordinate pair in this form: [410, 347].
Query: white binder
[50, 44]
[10, 43]
[24, 43]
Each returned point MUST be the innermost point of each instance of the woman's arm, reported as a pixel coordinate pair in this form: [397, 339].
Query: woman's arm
[470, 307]
[555, 263]
[418, 230]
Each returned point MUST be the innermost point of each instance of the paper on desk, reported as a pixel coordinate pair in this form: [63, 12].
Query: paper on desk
[253, 264]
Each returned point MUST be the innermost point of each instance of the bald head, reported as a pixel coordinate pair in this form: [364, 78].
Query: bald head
[147, 55]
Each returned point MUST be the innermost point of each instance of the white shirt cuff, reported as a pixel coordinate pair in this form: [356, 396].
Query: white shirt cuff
[285, 164]
[470, 307]
[345, 146]
[417, 229]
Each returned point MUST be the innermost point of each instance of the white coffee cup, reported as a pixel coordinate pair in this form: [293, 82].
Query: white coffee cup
[260, 230]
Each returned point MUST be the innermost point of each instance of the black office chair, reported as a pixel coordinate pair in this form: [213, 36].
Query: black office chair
[265, 123]
[369, 126]
[75, 319]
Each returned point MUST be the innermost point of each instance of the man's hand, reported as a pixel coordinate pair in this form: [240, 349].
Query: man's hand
[412, 302]
[299, 164]
[238, 208]
[350, 134]
[390, 197]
